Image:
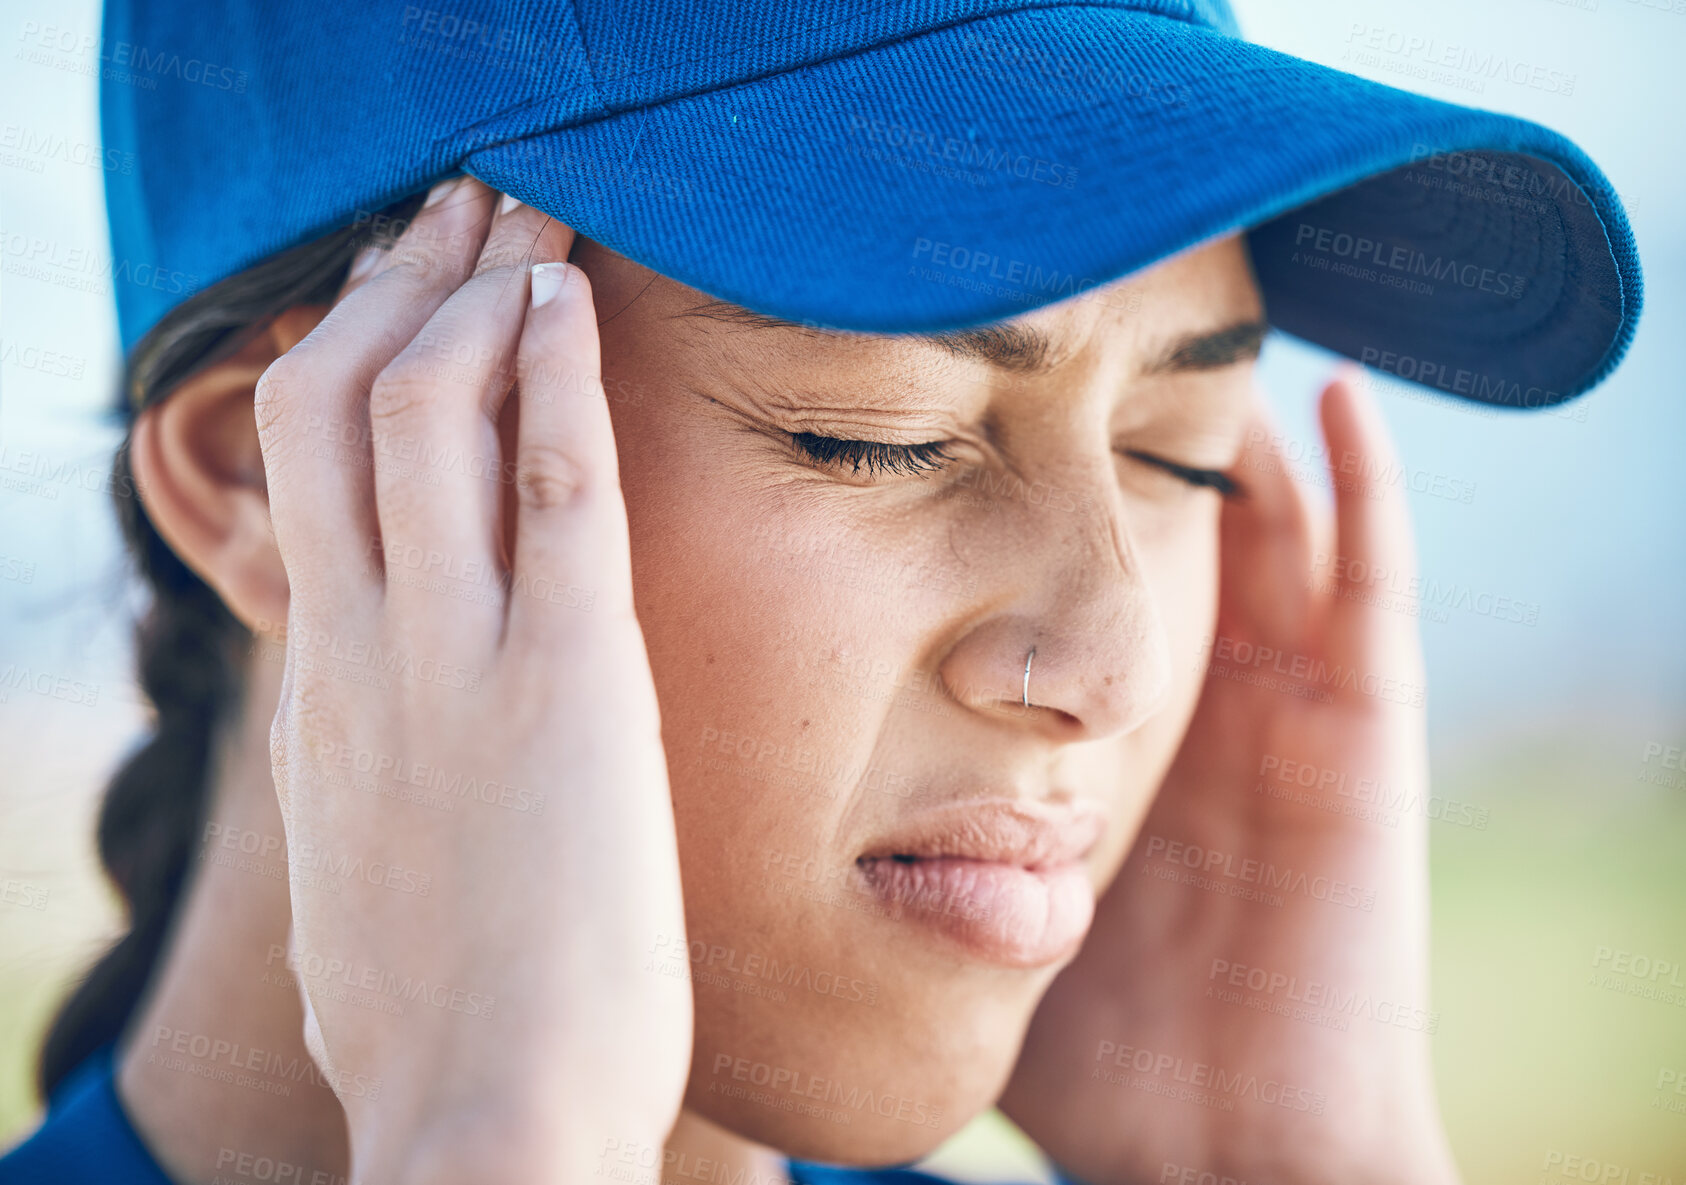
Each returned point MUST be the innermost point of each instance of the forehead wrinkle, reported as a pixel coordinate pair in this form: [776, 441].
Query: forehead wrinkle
[896, 380]
[1008, 346]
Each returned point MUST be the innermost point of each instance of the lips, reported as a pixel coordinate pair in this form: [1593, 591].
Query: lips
[1001, 880]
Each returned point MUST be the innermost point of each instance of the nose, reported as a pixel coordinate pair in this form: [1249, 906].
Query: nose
[1078, 596]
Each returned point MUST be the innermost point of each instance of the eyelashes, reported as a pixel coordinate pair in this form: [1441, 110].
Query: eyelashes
[1210, 479]
[915, 459]
[877, 456]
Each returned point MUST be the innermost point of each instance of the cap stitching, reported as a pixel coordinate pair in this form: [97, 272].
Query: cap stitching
[606, 112]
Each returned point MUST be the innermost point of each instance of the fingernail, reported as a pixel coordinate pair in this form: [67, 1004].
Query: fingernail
[366, 260]
[548, 279]
[509, 203]
[439, 192]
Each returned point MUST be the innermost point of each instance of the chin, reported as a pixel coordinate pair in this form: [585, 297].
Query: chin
[831, 1129]
[883, 1086]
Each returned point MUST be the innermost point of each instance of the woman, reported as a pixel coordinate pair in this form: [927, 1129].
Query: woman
[607, 732]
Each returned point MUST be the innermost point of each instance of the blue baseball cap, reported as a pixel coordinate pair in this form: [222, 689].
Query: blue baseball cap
[880, 166]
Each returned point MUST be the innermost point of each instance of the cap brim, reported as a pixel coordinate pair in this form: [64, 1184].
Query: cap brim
[1000, 164]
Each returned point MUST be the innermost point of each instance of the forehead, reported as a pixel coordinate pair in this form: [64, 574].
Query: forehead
[1205, 288]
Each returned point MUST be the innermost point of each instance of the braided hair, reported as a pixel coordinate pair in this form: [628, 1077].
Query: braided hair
[187, 643]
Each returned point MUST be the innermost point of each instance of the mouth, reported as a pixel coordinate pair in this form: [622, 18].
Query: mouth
[1002, 880]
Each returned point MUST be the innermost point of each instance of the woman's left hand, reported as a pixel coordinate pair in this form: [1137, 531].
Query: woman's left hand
[1252, 1002]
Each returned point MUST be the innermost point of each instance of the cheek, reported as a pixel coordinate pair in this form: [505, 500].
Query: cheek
[742, 628]
[777, 667]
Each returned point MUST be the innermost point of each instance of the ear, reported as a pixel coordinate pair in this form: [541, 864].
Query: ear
[199, 472]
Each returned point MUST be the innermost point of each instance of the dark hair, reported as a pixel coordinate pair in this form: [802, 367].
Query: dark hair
[187, 643]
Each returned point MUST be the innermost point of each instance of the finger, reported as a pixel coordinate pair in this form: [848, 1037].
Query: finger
[440, 399]
[1266, 537]
[368, 259]
[418, 242]
[1373, 571]
[311, 404]
[571, 532]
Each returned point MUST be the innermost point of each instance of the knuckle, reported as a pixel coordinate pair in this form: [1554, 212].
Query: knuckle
[305, 728]
[280, 741]
[427, 251]
[400, 391]
[549, 478]
[504, 258]
[275, 398]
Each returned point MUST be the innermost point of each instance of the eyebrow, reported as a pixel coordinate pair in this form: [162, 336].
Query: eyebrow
[1026, 350]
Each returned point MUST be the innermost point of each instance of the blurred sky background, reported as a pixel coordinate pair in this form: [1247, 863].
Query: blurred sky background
[1553, 728]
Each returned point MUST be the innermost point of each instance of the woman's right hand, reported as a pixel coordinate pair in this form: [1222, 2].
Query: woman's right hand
[468, 722]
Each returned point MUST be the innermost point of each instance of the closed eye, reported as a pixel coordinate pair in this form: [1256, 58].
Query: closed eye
[876, 455]
[931, 456]
[1213, 479]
